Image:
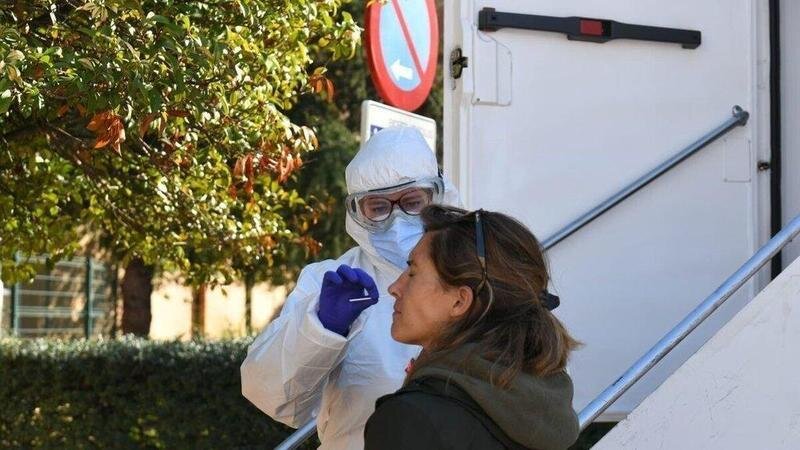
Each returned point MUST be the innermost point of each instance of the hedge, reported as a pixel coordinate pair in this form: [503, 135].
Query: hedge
[128, 393]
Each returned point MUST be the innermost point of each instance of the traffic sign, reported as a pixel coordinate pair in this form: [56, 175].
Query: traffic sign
[376, 116]
[402, 46]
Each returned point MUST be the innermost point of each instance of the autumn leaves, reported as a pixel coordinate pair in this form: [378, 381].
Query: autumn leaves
[109, 129]
[247, 167]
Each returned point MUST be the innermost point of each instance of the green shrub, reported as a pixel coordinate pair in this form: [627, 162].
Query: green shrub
[128, 393]
[135, 393]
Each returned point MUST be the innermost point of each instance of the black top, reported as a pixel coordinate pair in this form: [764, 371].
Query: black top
[431, 413]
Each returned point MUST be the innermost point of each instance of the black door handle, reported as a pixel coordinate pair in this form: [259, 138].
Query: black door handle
[585, 29]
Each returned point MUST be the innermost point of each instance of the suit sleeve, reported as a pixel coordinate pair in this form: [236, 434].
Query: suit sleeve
[399, 424]
[288, 364]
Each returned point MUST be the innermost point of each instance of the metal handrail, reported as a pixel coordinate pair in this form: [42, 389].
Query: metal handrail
[689, 323]
[299, 436]
[739, 118]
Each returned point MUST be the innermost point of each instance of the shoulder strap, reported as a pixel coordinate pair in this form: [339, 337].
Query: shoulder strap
[450, 391]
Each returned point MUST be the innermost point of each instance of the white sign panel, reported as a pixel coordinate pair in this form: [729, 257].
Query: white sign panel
[376, 116]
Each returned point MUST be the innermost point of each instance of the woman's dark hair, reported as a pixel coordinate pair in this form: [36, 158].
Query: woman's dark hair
[507, 319]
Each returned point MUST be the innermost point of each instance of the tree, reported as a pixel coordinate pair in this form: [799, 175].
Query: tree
[159, 128]
[336, 120]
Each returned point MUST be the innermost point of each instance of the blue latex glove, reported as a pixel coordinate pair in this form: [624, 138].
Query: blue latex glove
[336, 311]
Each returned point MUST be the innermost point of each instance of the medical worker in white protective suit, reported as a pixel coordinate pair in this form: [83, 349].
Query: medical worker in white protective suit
[328, 356]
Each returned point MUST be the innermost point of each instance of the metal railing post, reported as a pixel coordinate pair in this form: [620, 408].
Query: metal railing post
[16, 292]
[15, 297]
[89, 305]
[48, 298]
[689, 323]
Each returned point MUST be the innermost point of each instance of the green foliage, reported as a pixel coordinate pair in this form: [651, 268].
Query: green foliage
[130, 393]
[136, 393]
[161, 127]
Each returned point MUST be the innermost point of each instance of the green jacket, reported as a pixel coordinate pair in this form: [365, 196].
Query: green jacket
[451, 404]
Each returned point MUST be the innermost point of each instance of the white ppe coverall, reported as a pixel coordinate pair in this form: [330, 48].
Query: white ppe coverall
[296, 369]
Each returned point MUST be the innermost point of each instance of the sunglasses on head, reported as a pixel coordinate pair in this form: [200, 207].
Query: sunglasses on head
[549, 300]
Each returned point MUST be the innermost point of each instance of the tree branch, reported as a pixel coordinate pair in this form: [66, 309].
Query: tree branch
[76, 140]
[62, 11]
[21, 132]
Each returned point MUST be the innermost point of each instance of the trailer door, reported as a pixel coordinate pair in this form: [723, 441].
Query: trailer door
[545, 128]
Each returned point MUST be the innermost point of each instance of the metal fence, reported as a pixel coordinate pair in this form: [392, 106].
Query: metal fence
[76, 298]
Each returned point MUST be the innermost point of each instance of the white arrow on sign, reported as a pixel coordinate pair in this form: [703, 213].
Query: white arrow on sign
[401, 71]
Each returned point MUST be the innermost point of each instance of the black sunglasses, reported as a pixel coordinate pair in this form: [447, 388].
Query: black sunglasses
[549, 300]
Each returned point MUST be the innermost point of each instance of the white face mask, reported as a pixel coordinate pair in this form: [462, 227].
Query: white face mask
[396, 242]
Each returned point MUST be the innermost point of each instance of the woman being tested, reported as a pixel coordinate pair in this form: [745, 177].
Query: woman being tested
[491, 373]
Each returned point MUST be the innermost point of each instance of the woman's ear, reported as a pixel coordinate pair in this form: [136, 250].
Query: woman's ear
[462, 301]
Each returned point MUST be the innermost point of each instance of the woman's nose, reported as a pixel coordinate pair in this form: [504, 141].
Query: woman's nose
[394, 288]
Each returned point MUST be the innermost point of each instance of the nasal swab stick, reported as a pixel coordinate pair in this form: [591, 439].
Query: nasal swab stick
[363, 299]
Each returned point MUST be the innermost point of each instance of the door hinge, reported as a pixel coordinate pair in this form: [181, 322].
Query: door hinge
[763, 165]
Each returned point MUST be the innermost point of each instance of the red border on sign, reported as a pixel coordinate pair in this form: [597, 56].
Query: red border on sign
[382, 78]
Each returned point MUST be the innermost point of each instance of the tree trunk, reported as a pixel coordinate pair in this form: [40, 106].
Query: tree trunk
[249, 281]
[136, 288]
[199, 311]
[116, 311]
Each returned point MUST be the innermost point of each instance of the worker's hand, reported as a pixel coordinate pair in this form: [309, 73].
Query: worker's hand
[336, 310]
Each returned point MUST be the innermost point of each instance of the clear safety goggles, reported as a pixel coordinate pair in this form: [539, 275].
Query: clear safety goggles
[374, 209]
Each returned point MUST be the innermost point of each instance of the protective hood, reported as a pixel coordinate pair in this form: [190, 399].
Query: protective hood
[393, 156]
[534, 411]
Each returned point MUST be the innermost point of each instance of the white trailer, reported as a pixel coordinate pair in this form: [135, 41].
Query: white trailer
[546, 128]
